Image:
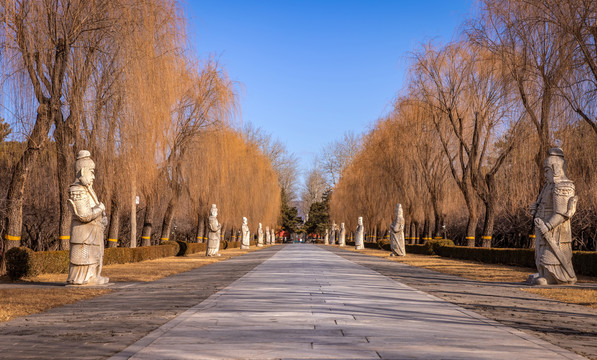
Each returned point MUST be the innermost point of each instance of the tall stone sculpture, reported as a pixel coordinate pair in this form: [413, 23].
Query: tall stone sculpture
[213, 232]
[273, 235]
[87, 227]
[397, 233]
[552, 211]
[246, 235]
[326, 239]
[342, 235]
[260, 235]
[268, 236]
[333, 233]
[359, 235]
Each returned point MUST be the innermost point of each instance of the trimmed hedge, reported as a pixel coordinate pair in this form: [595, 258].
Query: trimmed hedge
[23, 262]
[417, 249]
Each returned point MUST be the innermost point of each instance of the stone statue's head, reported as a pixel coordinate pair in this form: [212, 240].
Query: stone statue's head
[267, 228]
[398, 211]
[260, 226]
[342, 225]
[214, 210]
[244, 220]
[85, 168]
[555, 165]
[360, 221]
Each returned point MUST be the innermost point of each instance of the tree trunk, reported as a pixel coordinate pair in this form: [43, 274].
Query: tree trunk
[200, 228]
[14, 198]
[114, 223]
[414, 232]
[147, 221]
[133, 243]
[489, 212]
[65, 160]
[168, 218]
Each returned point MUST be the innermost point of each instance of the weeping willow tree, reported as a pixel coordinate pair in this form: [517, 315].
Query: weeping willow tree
[235, 175]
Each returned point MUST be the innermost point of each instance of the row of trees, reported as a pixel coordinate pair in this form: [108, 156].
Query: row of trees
[116, 77]
[465, 143]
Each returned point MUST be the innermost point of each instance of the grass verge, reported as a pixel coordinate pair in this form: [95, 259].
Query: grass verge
[585, 297]
[22, 301]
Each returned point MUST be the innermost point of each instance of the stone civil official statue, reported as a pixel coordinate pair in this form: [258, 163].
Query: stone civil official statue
[397, 233]
[246, 235]
[87, 227]
[359, 236]
[342, 235]
[260, 235]
[213, 232]
[552, 211]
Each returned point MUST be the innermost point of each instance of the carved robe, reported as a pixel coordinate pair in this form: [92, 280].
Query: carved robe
[260, 236]
[87, 236]
[342, 236]
[397, 237]
[359, 241]
[552, 207]
[245, 241]
[213, 236]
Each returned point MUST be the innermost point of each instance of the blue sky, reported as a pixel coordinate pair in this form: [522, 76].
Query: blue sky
[309, 71]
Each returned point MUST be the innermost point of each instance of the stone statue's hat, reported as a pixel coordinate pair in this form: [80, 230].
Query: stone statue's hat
[83, 154]
[556, 151]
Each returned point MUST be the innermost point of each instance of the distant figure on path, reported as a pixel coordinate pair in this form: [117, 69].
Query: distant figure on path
[552, 211]
[260, 235]
[246, 234]
[359, 235]
[326, 239]
[342, 236]
[213, 233]
[397, 233]
[87, 227]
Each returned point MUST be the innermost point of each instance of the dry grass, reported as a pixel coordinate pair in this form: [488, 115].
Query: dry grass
[23, 300]
[586, 297]
[467, 269]
[20, 302]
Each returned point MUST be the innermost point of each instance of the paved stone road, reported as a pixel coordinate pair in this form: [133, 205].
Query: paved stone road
[306, 302]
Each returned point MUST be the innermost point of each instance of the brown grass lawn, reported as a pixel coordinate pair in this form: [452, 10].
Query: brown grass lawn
[21, 301]
[492, 272]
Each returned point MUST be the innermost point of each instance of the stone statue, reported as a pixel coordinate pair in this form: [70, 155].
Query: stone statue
[87, 227]
[260, 235]
[268, 236]
[397, 233]
[552, 211]
[326, 239]
[246, 235]
[213, 232]
[359, 235]
[273, 235]
[342, 235]
[333, 233]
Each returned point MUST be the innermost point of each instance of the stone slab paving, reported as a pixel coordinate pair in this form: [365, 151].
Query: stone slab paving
[100, 327]
[305, 302]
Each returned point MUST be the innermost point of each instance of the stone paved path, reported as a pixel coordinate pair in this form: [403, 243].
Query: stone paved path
[307, 303]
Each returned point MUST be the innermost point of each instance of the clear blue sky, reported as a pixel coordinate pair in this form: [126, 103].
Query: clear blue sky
[311, 70]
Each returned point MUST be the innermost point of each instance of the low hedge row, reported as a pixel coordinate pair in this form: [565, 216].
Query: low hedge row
[585, 262]
[24, 262]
